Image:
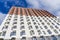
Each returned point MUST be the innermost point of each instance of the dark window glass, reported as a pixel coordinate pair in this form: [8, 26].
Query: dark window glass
[29, 23]
[14, 27]
[48, 23]
[36, 27]
[49, 31]
[23, 38]
[40, 20]
[42, 23]
[34, 23]
[58, 24]
[13, 33]
[56, 27]
[5, 27]
[45, 27]
[22, 27]
[42, 38]
[22, 33]
[53, 38]
[51, 27]
[32, 32]
[30, 27]
[15, 23]
[21, 23]
[39, 32]
[55, 31]
[4, 32]
[21, 19]
[44, 32]
[34, 38]
[41, 27]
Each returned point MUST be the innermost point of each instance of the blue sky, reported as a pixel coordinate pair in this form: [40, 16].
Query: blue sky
[53, 6]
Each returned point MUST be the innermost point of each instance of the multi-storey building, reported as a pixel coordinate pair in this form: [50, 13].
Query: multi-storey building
[29, 24]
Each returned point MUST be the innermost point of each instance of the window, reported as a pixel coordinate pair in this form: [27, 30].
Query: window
[9, 16]
[49, 31]
[41, 27]
[28, 20]
[14, 27]
[21, 23]
[13, 39]
[42, 38]
[31, 17]
[15, 23]
[0, 33]
[21, 19]
[53, 24]
[15, 16]
[40, 20]
[32, 32]
[27, 17]
[29, 23]
[53, 37]
[23, 38]
[34, 23]
[33, 20]
[15, 19]
[58, 24]
[48, 38]
[51, 27]
[48, 23]
[56, 27]
[44, 32]
[55, 31]
[59, 36]
[22, 33]
[3, 33]
[38, 23]
[8, 19]
[45, 20]
[39, 32]
[42, 23]
[34, 38]
[13, 33]
[22, 27]
[54, 21]
[7, 22]
[30, 27]
[36, 27]
[45, 27]
[5, 27]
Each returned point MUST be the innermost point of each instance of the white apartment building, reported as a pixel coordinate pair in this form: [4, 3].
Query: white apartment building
[29, 24]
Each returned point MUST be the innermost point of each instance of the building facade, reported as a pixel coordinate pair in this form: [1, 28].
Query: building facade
[29, 24]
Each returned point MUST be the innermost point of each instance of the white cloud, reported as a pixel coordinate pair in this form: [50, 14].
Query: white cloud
[2, 16]
[50, 5]
[54, 4]
[58, 13]
[33, 3]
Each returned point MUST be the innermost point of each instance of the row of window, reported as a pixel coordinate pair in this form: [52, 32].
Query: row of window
[37, 21]
[40, 38]
[13, 33]
[30, 27]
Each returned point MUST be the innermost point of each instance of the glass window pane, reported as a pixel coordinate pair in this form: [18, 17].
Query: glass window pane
[13, 33]
[53, 38]
[22, 33]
